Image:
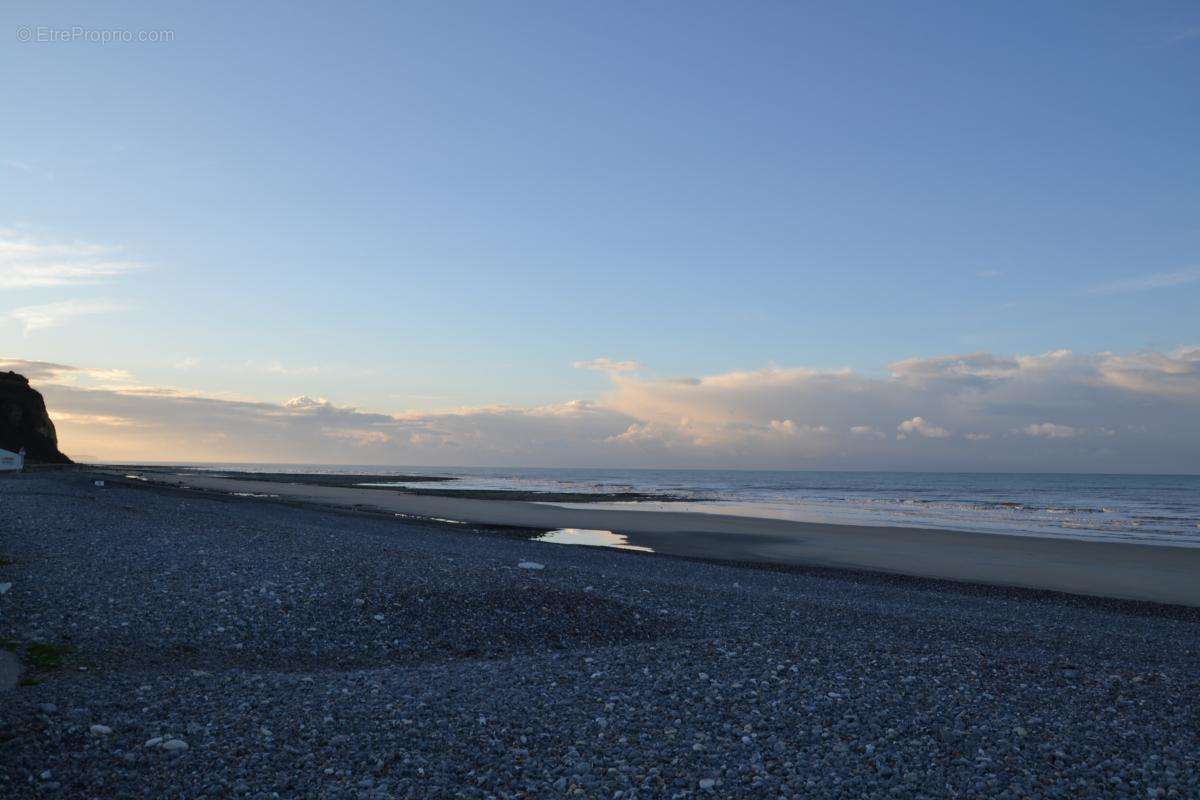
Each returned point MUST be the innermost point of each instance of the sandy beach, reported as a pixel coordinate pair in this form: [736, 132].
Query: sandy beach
[1162, 574]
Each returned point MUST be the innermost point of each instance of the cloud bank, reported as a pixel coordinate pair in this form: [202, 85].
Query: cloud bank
[1057, 411]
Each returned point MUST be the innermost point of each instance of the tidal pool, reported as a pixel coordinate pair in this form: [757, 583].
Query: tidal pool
[591, 538]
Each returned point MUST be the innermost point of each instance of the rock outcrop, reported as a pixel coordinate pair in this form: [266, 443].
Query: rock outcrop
[25, 423]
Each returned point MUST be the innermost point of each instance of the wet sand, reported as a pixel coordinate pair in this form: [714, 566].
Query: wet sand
[1154, 573]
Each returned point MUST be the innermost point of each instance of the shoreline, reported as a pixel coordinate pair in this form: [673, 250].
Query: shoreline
[1124, 571]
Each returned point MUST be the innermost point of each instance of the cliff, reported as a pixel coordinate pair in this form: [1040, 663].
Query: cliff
[25, 423]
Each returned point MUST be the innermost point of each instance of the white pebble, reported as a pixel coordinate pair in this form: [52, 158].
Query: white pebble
[175, 744]
[531, 565]
[707, 783]
[101, 730]
[155, 742]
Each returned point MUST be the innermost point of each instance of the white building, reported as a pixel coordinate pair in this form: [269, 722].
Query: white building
[12, 462]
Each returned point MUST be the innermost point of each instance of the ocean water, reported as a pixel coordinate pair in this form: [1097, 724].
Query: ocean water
[1162, 509]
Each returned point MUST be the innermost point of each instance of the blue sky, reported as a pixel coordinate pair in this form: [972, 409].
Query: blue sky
[426, 206]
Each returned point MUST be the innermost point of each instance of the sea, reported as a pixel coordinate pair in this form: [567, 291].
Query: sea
[1154, 509]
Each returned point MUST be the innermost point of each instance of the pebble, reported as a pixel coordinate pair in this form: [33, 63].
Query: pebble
[531, 565]
[611, 676]
[100, 730]
[174, 744]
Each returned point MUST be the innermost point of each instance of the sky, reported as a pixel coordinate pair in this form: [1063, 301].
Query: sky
[857, 235]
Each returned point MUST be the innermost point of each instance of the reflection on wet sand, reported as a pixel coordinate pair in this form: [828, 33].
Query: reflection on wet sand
[591, 538]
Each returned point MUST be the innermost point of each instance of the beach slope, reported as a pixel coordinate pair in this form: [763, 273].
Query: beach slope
[1156, 573]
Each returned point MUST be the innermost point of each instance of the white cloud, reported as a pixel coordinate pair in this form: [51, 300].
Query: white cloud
[608, 365]
[786, 427]
[27, 263]
[276, 368]
[1160, 280]
[868, 431]
[51, 315]
[917, 426]
[1048, 430]
[306, 402]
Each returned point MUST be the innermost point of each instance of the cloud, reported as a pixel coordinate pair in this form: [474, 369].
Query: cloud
[358, 438]
[48, 371]
[1104, 411]
[277, 368]
[1174, 373]
[973, 365]
[305, 402]
[867, 430]
[1161, 280]
[917, 426]
[787, 427]
[38, 371]
[106, 420]
[27, 263]
[608, 365]
[1048, 430]
[51, 315]
[1184, 35]
[727, 416]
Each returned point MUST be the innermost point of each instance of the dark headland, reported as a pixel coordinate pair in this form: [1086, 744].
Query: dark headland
[24, 422]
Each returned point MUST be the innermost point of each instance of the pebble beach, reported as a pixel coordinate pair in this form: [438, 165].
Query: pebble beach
[182, 645]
